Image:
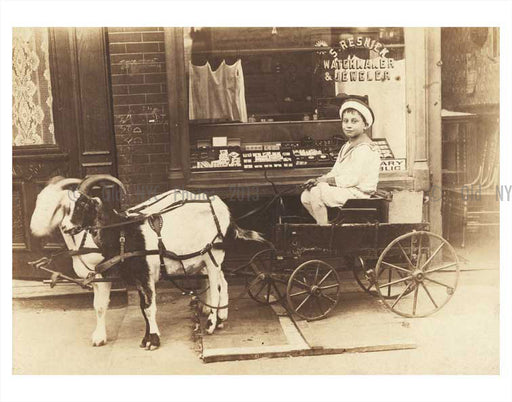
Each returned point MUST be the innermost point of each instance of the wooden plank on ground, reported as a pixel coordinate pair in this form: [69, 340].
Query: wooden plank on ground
[359, 324]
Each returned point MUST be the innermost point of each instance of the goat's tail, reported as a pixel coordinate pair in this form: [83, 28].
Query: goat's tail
[243, 234]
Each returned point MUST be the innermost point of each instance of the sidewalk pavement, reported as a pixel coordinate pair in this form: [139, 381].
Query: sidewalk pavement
[463, 338]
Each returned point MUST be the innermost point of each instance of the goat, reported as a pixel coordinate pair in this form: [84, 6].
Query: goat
[185, 230]
[52, 205]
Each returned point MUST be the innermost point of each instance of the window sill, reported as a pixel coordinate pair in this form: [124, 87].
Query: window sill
[225, 181]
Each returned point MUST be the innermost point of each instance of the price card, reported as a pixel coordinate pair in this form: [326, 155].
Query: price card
[220, 141]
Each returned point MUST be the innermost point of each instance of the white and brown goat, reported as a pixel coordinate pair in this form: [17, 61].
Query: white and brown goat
[185, 230]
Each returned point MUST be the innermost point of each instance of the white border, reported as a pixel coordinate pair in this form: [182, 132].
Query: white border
[262, 13]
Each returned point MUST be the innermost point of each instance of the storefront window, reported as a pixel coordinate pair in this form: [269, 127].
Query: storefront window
[261, 75]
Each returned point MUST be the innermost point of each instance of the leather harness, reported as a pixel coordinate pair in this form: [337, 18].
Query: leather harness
[155, 221]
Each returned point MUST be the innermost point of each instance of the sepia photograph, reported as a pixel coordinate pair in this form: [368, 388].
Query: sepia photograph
[212, 199]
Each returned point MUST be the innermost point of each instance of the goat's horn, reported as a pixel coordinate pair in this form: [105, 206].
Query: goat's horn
[55, 179]
[68, 182]
[86, 185]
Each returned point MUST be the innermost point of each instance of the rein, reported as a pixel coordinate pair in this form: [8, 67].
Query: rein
[269, 203]
[143, 218]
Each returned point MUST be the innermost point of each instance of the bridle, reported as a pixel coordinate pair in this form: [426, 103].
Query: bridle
[82, 213]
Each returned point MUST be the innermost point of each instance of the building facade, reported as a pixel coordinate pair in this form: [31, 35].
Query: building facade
[138, 103]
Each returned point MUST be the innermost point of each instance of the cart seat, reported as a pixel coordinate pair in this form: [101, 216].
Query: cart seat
[361, 210]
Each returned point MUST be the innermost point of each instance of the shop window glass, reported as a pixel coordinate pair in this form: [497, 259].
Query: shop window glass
[31, 88]
[265, 74]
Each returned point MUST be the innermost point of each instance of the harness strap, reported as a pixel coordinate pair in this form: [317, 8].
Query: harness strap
[219, 231]
[81, 247]
[103, 266]
[142, 218]
[156, 222]
[82, 243]
[82, 251]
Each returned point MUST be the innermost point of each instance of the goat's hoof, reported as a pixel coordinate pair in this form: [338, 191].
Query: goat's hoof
[99, 343]
[152, 342]
[99, 339]
[220, 325]
[144, 341]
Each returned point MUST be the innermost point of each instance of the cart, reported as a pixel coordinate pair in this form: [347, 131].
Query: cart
[413, 272]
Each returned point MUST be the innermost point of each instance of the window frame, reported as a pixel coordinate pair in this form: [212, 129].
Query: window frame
[422, 57]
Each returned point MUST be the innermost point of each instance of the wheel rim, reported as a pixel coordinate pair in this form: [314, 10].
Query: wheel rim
[313, 290]
[267, 285]
[420, 270]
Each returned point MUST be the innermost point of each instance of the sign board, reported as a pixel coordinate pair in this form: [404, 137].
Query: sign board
[392, 165]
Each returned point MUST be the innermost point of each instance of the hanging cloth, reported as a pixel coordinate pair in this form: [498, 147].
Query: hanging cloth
[218, 94]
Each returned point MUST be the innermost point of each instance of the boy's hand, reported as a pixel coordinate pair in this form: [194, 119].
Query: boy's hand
[310, 183]
[331, 181]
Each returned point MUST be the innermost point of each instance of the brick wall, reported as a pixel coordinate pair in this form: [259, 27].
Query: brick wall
[138, 77]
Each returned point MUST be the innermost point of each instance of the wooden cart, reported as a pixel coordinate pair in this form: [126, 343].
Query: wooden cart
[413, 271]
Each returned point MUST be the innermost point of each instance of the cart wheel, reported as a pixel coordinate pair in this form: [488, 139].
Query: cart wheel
[266, 284]
[421, 270]
[313, 290]
[359, 270]
[361, 274]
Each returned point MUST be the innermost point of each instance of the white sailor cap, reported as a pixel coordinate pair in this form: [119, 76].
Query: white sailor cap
[361, 107]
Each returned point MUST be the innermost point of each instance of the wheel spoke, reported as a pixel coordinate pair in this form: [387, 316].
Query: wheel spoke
[432, 256]
[401, 295]
[299, 293]
[268, 292]
[259, 291]
[303, 285]
[282, 281]
[397, 267]
[316, 273]
[317, 300]
[395, 282]
[255, 268]
[415, 302]
[389, 279]
[302, 303]
[277, 290]
[405, 255]
[441, 268]
[324, 278]
[429, 295]
[439, 283]
[334, 285]
[327, 297]
[419, 253]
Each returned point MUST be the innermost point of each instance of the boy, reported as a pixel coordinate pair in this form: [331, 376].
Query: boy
[356, 171]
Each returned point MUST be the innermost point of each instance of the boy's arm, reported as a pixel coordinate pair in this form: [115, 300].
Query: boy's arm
[363, 158]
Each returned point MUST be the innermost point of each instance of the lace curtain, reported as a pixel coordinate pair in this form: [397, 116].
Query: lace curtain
[32, 120]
